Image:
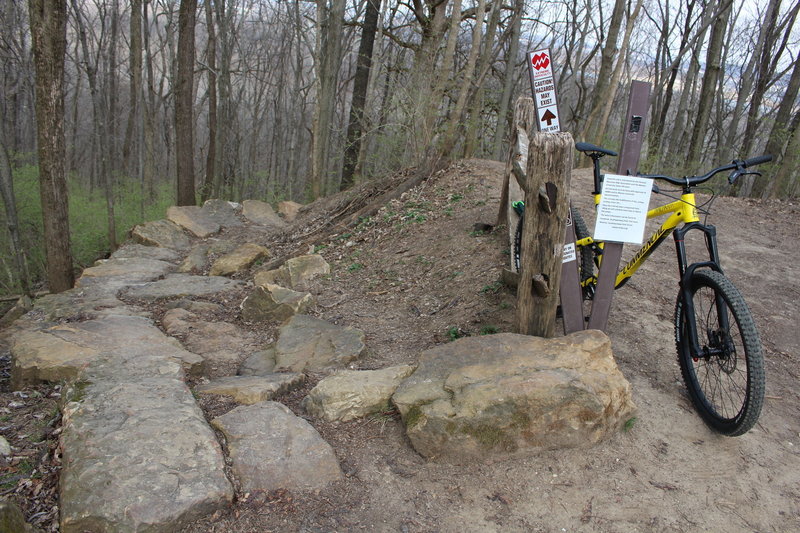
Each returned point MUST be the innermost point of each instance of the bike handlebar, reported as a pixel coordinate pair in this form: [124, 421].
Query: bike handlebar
[737, 166]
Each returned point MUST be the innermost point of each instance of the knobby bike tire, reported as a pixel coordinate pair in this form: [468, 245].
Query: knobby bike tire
[726, 389]
[581, 231]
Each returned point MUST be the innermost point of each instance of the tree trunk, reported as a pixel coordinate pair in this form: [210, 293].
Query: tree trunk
[503, 115]
[48, 20]
[330, 22]
[360, 84]
[709, 87]
[602, 86]
[211, 59]
[787, 176]
[12, 220]
[184, 122]
[131, 133]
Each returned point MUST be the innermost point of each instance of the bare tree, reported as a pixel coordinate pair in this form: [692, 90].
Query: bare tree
[48, 20]
[184, 97]
[360, 85]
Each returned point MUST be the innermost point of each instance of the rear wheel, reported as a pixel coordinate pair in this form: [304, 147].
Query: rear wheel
[725, 378]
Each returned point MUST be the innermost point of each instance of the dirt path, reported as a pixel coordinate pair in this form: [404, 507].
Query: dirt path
[417, 274]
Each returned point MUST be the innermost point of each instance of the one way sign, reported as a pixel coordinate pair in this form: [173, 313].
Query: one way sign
[540, 65]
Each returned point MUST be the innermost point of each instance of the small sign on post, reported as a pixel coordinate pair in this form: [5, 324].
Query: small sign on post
[544, 90]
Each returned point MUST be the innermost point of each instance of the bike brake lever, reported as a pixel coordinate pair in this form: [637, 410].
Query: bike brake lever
[735, 175]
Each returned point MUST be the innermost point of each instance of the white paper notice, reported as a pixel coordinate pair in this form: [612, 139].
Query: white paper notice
[622, 213]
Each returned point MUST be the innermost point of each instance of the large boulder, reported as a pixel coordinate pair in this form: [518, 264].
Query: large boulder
[273, 302]
[161, 233]
[193, 219]
[351, 394]
[133, 250]
[271, 448]
[239, 259]
[506, 393]
[306, 343]
[126, 270]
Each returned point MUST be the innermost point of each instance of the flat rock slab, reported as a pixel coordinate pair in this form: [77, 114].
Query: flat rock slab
[239, 259]
[271, 448]
[83, 302]
[261, 213]
[215, 342]
[182, 286]
[308, 343]
[480, 397]
[125, 270]
[138, 456]
[133, 250]
[351, 394]
[273, 302]
[193, 219]
[62, 352]
[248, 390]
[161, 233]
[222, 212]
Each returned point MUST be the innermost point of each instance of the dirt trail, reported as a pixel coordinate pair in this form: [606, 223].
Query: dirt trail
[417, 274]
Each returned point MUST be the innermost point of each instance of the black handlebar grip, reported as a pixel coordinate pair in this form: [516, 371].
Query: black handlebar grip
[756, 160]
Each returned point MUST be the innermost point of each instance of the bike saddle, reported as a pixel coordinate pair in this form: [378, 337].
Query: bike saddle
[593, 151]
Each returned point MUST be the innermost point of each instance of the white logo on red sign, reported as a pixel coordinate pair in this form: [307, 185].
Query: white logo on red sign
[540, 61]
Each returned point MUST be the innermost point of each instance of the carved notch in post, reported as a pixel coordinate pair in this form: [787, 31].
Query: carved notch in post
[547, 197]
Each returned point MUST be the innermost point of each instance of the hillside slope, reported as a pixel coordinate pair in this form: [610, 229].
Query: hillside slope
[417, 274]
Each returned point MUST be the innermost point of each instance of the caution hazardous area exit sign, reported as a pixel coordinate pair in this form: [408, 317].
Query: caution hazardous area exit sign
[544, 90]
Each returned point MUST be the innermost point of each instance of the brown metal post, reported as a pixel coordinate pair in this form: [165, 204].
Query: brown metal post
[546, 209]
[571, 293]
[632, 139]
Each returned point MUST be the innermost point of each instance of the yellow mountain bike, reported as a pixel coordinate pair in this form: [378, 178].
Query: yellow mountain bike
[719, 350]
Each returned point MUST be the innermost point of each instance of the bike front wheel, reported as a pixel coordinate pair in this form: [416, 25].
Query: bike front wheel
[725, 376]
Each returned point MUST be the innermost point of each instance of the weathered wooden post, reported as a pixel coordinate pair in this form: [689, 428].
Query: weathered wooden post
[547, 208]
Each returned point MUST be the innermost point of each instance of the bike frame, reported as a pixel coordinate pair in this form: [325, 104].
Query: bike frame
[683, 211]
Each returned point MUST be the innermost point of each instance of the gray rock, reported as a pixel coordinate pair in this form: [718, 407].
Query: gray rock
[139, 251]
[351, 394]
[271, 448]
[216, 342]
[261, 363]
[196, 259]
[161, 233]
[506, 393]
[194, 306]
[138, 456]
[193, 219]
[261, 213]
[308, 343]
[272, 302]
[84, 302]
[182, 286]
[239, 259]
[5, 447]
[124, 271]
[222, 212]
[252, 389]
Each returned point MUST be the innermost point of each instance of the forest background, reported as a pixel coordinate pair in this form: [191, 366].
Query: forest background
[172, 102]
